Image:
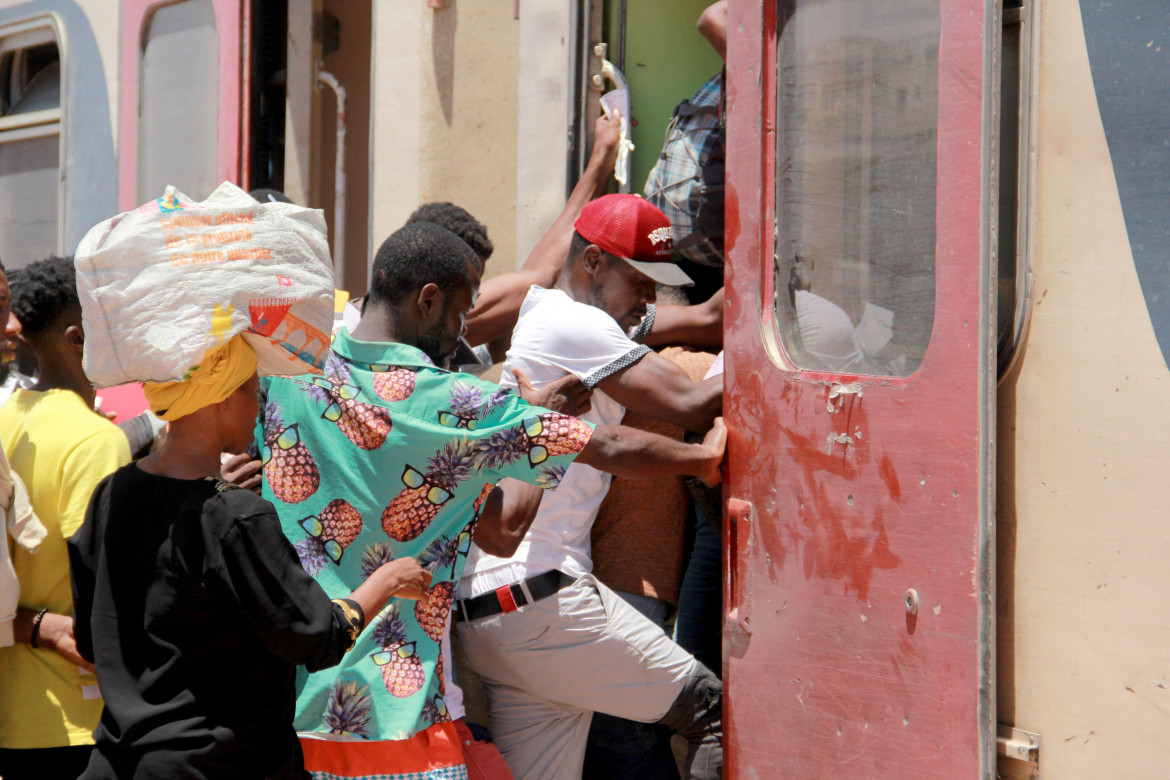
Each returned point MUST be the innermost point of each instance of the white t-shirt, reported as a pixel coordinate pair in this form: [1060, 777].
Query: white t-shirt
[555, 336]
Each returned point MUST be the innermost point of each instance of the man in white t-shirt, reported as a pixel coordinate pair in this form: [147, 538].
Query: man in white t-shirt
[561, 650]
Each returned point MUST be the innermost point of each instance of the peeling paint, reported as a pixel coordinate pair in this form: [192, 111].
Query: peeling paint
[836, 391]
[837, 438]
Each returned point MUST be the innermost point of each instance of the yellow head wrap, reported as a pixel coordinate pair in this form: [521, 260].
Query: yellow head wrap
[220, 374]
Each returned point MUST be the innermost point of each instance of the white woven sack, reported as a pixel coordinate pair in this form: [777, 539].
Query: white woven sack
[162, 284]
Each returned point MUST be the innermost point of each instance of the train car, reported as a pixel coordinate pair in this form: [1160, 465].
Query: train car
[947, 333]
[948, 307]
[362, 109]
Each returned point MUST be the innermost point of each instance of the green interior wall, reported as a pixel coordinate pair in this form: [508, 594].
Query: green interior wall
[666, 61]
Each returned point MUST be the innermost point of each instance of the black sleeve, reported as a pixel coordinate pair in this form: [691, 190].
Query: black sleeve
[288, 610]
[84, 547]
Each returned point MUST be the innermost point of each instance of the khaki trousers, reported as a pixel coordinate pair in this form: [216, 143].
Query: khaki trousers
[549, 666]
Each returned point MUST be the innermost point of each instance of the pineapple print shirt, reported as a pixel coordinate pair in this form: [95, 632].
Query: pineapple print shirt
[386, 456]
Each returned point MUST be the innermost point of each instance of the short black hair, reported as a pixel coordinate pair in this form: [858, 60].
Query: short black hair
[460, 222]
[43, 293]
[577, 245]
[416, 255]
[269, 195]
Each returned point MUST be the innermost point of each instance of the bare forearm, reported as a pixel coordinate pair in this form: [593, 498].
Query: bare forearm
[634, 454]
[713, 27]
[549, 255]
[55, 633]
[402, 577]
[507, 515]
[709, 404]
[373, 594]
[700, 325]
[22, 625]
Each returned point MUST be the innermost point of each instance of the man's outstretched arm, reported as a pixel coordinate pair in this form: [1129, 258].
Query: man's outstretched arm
[507, 515]
[700, 325]
[658, 388]
[498, 305]
[713, 26]
[634, 454]
[511, 507]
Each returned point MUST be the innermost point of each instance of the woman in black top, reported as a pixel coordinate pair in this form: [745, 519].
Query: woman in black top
[196, 611]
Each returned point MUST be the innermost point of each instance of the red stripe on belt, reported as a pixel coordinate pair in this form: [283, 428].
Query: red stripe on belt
[504, 594]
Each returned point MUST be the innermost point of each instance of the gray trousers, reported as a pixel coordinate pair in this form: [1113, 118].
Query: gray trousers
[550, 665]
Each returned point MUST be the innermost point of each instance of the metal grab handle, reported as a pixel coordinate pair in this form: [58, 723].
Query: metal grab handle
[737, 620]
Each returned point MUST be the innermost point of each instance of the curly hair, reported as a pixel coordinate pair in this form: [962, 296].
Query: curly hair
[460, 222]
[43, 293]
[416, 255]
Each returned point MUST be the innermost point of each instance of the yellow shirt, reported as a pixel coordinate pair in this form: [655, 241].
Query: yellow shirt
[61, 449]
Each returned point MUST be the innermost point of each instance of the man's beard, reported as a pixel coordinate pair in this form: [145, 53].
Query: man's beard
[431, 342]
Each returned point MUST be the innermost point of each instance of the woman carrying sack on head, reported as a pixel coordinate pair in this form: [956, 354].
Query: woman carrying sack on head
[192, 604]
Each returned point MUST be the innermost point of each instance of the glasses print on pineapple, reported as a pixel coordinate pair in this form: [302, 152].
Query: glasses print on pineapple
[287, 439]
[413, 478]
[342, 390]
[537, 453]
[452, 420]
[462, 547]
[383, 657]
[315, 529]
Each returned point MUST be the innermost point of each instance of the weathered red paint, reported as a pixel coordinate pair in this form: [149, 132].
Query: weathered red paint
[826, 674]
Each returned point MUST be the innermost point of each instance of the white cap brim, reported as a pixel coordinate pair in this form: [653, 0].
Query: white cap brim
[663, 273]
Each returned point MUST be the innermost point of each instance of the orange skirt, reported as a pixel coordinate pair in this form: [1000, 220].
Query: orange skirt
[433, 754]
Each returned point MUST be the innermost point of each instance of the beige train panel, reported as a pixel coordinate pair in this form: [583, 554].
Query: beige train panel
[104, 26]
[1084, 585]
[395, 130]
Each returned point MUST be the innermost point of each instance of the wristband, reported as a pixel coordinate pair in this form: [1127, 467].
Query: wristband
[36, 627]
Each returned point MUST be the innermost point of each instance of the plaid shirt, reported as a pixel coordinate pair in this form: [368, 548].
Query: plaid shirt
[676, 179]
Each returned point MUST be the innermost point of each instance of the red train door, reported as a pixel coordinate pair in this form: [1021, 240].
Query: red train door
[860, 381]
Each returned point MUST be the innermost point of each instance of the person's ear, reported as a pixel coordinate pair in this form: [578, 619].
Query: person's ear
[429, 302]
[592, 260]
[75, 338]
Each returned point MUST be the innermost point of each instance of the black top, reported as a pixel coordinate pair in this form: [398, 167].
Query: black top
[195, 609]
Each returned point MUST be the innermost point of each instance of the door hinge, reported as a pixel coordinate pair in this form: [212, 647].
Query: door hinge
[1019, 754]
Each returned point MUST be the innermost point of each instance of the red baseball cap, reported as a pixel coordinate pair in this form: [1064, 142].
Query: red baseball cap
[635, 230]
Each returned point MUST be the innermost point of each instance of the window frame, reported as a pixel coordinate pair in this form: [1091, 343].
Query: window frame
[136, 15]
[1010, 350]
[770, 323]
[46, 122]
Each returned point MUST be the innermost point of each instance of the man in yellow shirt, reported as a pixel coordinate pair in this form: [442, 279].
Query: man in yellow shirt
[62, 449]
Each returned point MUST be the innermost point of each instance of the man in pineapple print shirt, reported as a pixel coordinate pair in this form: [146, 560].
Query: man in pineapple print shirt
[541, 714]
[386, 455]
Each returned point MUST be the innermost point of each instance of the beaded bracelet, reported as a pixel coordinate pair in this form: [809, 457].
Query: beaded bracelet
[36, 627]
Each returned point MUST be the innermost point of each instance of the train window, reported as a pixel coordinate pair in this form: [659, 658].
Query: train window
[178, 101]
[30, 138]
[857, 105]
